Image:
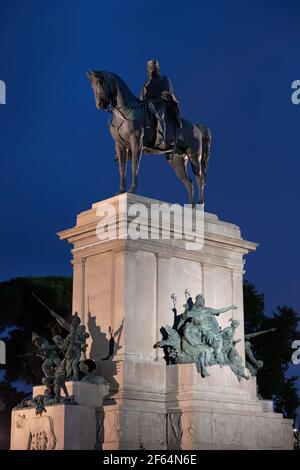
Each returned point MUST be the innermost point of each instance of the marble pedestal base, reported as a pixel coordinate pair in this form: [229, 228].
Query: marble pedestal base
[172, 407]
[122, 288]
[63, 426]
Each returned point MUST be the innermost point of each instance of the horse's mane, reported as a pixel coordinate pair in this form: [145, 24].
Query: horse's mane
[110, 77]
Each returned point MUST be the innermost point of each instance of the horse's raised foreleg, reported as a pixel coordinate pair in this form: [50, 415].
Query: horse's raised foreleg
[122, 159]
[135, 163]
[179, 165]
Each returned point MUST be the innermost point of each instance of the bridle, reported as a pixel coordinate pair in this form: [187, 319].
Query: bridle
[124, 117]
[122, 112]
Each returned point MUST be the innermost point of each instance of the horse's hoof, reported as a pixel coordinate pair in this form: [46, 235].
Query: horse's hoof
[122, 191]
[131, 190]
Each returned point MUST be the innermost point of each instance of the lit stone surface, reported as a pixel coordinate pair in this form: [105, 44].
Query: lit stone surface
[126, 285]
[84, 393]
[63, 426]
[132, 280]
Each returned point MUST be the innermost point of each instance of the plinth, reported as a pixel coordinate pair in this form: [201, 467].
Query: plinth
[121, 289]
[63, 426]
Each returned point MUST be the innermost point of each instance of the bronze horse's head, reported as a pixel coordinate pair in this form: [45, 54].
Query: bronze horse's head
[104, 88]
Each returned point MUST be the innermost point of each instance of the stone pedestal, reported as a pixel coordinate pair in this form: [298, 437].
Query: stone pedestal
[122, 291]
[63, 426]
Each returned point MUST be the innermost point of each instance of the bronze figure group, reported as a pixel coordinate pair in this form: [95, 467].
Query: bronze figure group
[197, 337]
[63, 360]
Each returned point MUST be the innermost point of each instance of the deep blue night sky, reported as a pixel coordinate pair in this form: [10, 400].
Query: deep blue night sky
[232, 65]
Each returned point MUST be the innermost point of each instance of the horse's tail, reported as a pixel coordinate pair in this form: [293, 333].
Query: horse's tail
[206, 143]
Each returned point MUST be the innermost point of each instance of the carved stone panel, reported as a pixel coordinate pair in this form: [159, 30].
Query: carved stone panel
[38, 432]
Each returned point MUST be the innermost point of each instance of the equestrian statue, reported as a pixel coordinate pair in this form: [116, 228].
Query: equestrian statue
[152, 124]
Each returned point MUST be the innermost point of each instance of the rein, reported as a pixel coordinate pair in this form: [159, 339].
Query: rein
[124, 117]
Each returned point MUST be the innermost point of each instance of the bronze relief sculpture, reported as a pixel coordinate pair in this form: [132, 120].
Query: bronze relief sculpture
[198, 338]
[62, 360]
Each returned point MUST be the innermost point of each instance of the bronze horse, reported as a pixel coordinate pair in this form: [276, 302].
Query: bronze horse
[128, 131]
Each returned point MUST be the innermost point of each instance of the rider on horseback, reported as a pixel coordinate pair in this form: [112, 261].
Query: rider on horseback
[132, 138]
[161, 106]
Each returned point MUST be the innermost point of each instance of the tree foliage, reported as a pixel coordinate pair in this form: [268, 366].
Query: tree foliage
[21, 314]
[274, 349]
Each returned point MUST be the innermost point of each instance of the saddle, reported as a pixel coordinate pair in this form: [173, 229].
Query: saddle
[164, 113]
[172, 124]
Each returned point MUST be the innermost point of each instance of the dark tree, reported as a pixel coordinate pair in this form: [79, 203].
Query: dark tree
[9, 397]
[20, 315]
[275, 349]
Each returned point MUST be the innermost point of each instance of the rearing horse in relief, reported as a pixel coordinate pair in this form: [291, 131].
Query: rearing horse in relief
[128, 129]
